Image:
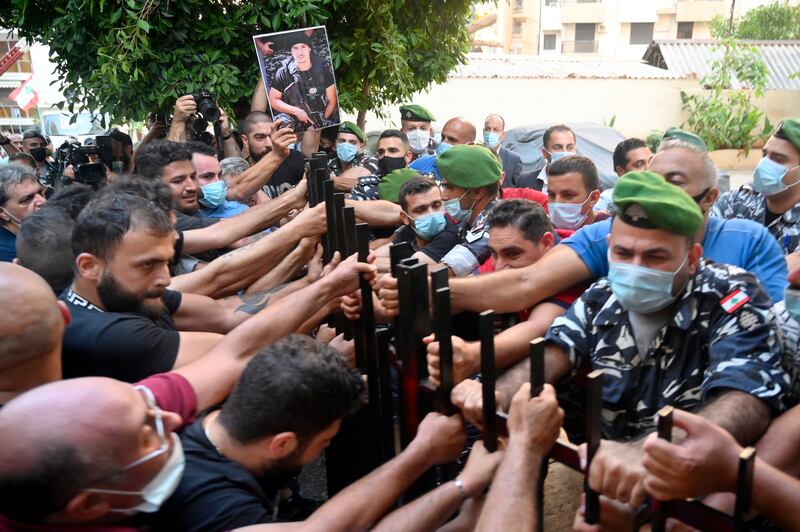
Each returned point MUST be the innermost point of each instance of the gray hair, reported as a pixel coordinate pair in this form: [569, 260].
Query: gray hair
[232, 166]
[12, 175]
[710, 173]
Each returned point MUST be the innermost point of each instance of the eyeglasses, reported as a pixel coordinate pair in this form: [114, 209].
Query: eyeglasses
[158, 424]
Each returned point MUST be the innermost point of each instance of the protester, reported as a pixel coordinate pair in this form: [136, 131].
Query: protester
[20, 196]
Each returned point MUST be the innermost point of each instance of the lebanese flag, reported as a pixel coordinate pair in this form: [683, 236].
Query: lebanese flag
[24, 95]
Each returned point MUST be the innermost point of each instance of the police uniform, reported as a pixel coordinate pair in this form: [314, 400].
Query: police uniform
[366, 189]
[720, 334]
[305, 89]
[361, 158]
[470, 167]
[748, 204]
[789, 337]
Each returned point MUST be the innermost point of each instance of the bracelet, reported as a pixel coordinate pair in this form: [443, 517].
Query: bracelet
[461, 489]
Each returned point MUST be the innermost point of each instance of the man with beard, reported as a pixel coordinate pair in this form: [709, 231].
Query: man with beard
[393, 153]
[125, 322]
[257, 138]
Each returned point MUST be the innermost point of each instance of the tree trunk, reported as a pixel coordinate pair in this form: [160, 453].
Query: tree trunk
[362, 113]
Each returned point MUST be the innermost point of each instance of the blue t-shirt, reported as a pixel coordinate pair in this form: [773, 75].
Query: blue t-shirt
[742, 243]
[427, 166]
[8, 245]
[226, 210]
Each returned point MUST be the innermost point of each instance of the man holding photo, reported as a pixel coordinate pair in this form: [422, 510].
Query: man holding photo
[303, 93]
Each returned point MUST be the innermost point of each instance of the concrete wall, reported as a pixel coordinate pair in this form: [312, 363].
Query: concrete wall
[640, 106]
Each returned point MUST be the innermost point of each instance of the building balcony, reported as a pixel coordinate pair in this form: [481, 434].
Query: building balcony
[583, 11]
[699, 10]
[579, 47]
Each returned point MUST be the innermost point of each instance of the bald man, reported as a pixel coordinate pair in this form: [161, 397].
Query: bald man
[455, 131]
[494, 133]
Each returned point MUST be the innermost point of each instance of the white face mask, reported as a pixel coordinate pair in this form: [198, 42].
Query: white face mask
[14, 220]
[567, 215]
[418, 140]
[158, 490]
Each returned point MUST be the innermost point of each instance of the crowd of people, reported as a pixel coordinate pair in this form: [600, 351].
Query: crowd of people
[166, 361]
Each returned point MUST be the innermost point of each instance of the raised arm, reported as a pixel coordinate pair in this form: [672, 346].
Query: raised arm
[377, 213]
[255, 177]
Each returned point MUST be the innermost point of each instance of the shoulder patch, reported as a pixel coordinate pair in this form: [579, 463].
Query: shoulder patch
[734, 300]
[474, 235]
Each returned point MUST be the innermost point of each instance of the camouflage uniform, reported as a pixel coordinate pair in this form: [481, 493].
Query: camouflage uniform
[473, 250]
[361, 159]
[366, 189]
[751, 205]
[789, 336]
[702, 348]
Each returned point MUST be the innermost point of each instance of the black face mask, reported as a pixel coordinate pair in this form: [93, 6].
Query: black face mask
[40, 154]
[699, 197]
[390, 164]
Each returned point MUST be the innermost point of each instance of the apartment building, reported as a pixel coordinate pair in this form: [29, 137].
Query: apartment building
[618, 29]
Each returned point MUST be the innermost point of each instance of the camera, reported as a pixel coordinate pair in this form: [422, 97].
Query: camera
[206, 105]
[88, 162]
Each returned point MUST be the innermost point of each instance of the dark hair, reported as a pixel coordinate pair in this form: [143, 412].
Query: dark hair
[295, 385]
[156, 192]
[22, 157]
[154, 156]
[201, 148]
[394, 133]
[558, 128]
[44, 246]
[72, 199]
[32, 133]
[120, 136]
[256, 117]
[60, 470]
[12, 175]
[415, 185]
[622, 149]
[529, 217]
[580, 164]
[105, 220]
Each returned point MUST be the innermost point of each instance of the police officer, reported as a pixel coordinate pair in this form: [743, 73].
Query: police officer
[415, 122]
[350, 142]
[470, 184]
[303, 93]
[772, 199]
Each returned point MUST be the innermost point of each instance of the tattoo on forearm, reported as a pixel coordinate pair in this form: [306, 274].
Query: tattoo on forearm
[253, 303]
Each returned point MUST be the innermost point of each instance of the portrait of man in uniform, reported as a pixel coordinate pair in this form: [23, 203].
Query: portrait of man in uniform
[298, 76]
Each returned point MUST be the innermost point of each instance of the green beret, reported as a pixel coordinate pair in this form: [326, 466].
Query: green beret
[685, 136]
[789, 129]
[389, 187]
[416, 112]
[645, 199]
[349, 127]
[469, 166]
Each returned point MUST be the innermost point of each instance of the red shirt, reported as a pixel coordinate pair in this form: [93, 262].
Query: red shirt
[173, 393]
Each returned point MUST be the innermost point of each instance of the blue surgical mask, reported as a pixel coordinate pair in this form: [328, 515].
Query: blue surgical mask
[159, 488]
[214, 194]
[641, 289]
[453, 208]
[567, 215]
[443, 147]
[768, 177]
[556, 155]
[791, 298]
[346, 151]
[429, 225]
[491, 139]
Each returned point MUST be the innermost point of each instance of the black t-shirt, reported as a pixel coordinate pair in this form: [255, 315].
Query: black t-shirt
[121, 345]
[185, 222]
[310, 83]
[436, 248]
[287, 175]
[215, 493]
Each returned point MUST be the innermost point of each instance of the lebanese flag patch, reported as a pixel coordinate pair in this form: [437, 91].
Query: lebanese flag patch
[734, 300]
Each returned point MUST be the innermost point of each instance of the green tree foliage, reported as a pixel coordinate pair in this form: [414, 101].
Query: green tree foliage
[726, 118]
[776, 21]
[127, 57]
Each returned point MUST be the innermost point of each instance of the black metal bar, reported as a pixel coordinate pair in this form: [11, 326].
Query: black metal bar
[594, 408]
[744, 489]
[659, 517]
[536, 355]
[398, 253]
[386, 429]
[488, 380]
[443, 328]
[341, 229]
[317, 182]
[440, 279]
[330, 214]
[406, 347]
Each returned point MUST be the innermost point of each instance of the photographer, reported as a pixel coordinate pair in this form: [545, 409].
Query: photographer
[185, 111]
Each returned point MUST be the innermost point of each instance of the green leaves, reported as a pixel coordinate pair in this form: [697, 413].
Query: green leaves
[135, 56]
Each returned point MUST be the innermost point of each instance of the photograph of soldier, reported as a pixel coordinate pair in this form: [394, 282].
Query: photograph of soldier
[298, 75]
